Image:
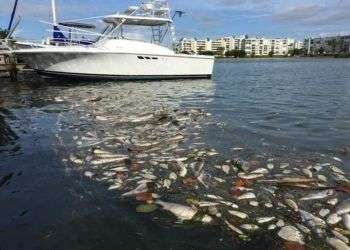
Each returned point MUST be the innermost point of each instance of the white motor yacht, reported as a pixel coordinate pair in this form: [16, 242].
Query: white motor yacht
[113, 55]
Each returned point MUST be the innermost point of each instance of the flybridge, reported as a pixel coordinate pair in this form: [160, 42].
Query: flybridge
[154, 14]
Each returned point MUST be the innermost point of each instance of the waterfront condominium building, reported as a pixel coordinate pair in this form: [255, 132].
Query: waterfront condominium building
[253, 46]
[328, 45]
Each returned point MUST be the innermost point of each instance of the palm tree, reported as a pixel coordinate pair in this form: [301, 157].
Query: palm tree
[3, 33]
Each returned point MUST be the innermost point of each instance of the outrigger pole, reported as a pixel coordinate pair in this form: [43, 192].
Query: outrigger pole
[12, 16]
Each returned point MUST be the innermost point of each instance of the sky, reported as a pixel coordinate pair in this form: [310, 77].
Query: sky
[203, 18]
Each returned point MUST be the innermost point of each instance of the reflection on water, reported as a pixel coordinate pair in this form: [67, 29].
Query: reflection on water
[178, 142]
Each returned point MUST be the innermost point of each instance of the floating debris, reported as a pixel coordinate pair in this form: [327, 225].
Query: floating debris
[290, 233]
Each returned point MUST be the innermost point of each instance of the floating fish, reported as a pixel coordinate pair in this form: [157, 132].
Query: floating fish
[340, 236]
[333, 201]
[246, 196]
[233, 228]
[280, 223]
[229, 204]
[337, 159]
[140, 189]
[226, 169]
[167, 183]
[292, 204]
[337, 170]
[337, 244]
[318, 195]
[290, 233]
[324, 212]
[303, 228]
[343, 207]
[307, 172]
[250, 227]
[238, 214]
[346, 221]
[260, 171]
[333, 219]
[180, 211]
[254, 203]
[317, 224]
[263, 220]
[110, 160]
[214, 197]
[250, 176]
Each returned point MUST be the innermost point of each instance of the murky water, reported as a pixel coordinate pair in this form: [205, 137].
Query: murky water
[62, 193]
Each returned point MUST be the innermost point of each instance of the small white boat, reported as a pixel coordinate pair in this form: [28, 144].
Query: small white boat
[112, 55]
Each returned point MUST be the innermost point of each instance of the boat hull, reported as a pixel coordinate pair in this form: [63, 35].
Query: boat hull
[119, 65]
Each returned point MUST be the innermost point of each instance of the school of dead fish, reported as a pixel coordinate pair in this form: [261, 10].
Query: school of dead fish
[157, 158]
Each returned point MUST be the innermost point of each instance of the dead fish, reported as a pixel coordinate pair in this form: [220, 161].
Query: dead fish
[88, 174]
[307, 172]
[290, 233]
[246, 196]
[303, 228]
[200, 179]
[340, 236]
[337, 244]
[284, 165]
[206, 219]
[250, 227]
[238, 214]
[343, 207]
[140, 189]
[120, 169]
[322, 178]
[101, 118]
[220, 180]
[167, 183]
[226, 169]
[280, 223]
[233, 228]
[272, 227]
[250, 176]
[317, 224]
[172, 176]
[268, 205]
[337, 159]
[318, 195]
[76, 160]
[207, 204]
[229, 204]
[115, 186]
[180, 211]
[333, 219]
[324, 212]
[270, 166]
[254, 203]
[214, 197]
[292, 204]
[260, 171]
[333, 201]
[109, 160]
[263, 220]
[337, 170]
[183, 170]
[346, 221]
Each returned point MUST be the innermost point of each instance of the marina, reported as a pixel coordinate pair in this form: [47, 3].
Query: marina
[114, 134]
[207, 164]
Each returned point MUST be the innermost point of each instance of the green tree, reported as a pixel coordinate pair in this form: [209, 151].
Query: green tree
[271, 53]
[235, 53]
[206, 53]
[220, 51]
[3, 33]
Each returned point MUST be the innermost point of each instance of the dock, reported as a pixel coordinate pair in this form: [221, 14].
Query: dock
[8, 65]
